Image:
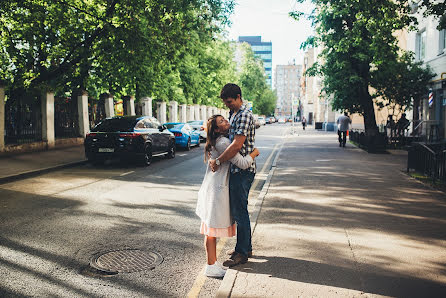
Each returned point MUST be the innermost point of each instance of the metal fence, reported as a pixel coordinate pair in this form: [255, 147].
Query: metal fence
[23, 121]
[374, 143]
[428, 159]
[66, 121]
[96, 111]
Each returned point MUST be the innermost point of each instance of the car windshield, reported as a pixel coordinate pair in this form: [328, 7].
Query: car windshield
[195, 122]
[172, 125]
[116, 124]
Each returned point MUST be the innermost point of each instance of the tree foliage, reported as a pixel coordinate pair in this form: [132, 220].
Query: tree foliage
[252, 80]
[436, 9]
[360, 50]
[409, 83]
[139, 47]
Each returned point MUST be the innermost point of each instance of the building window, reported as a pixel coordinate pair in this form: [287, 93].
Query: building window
[420, 45]
[442, 41]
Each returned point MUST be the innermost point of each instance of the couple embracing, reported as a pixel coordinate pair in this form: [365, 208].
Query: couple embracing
[223, 197]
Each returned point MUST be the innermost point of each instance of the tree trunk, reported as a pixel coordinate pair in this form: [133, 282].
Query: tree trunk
[369, 113]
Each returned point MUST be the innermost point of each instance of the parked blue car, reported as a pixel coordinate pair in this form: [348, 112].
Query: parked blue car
[185, 135]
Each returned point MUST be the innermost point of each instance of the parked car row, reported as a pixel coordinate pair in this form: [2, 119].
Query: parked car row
[185, 135]
[139, 139]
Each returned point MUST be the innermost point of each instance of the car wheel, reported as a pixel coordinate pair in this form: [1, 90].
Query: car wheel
[188, 145]
[146, 158]
[198, 143]
[172, 150]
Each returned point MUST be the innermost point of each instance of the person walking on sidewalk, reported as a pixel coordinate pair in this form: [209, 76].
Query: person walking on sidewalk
[213, 205]
[242, 136]
[304, 122]
[343, 125]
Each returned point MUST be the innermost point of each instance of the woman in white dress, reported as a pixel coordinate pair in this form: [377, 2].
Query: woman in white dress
[213, 196]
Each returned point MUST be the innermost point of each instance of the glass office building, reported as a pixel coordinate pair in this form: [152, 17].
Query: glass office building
[263, 50]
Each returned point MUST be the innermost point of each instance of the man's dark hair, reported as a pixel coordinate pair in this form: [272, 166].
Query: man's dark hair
[230, 90]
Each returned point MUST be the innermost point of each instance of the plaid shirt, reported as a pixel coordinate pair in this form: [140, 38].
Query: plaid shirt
[242, 123]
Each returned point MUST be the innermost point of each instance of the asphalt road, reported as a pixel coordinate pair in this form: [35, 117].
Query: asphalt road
[52, 225]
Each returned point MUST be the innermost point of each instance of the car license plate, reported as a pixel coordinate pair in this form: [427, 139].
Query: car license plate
[106, 150]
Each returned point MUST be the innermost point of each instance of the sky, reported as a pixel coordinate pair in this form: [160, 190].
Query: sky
[269, 19]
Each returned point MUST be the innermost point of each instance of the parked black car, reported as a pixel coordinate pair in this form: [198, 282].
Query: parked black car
[137, 138]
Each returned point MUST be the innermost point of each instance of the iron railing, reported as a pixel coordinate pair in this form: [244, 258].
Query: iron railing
[96, 111]
[66, 122]
[371, 143]
[429, 160]
[23, 121]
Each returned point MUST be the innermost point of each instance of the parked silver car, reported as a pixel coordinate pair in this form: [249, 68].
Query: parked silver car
[200, 126]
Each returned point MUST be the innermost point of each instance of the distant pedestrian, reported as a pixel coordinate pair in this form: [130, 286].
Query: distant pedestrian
[402, 124]
[304, 122]
[343, 125]
[213, 206]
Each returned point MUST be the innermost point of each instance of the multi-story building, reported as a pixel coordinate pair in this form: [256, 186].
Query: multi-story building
[263, 50]
[287, 85]
[314, 106]
[429, 46]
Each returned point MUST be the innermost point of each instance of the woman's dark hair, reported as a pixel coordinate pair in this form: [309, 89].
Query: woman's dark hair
[212, 135]
[230, 90]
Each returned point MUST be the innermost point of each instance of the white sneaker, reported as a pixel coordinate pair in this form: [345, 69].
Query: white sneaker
[214, 271]
[220, 265]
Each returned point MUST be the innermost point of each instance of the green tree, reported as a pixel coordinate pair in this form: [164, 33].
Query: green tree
[359, 46]
[119, 46]
[266, 103]
[409, 83]
[252, 80]
[436, 9]
[252, 76]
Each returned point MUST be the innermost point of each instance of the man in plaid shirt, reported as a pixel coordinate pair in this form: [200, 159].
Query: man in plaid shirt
[242, 135]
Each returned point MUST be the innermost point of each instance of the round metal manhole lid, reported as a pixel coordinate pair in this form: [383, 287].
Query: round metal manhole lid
[126, 261]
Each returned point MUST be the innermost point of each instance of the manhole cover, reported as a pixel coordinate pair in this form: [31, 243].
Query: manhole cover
[128, 260]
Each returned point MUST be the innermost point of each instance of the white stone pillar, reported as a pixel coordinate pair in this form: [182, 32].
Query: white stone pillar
[204, 115]
[210, 112]
[82, 111]
[146, 103]
[197, 112]
[2, 118]
[190, 113]
[48, 119]
[183, 113]
[130, 105]
[173, 111]
[161, 112]
[109, 106]
[215, 111]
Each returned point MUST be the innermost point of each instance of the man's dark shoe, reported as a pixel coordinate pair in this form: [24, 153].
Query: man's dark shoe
[235, 260]
[232, 251]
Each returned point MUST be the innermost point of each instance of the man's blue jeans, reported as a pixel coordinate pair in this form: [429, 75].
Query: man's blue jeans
[239, 185]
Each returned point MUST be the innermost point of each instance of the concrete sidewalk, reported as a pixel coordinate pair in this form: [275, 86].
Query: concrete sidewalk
[341, 222]
[13, 167]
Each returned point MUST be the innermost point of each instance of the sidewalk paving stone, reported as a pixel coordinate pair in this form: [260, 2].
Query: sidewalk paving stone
[339, 222]
[26, 164]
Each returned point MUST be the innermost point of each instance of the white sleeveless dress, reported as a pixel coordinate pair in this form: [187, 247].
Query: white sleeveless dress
[213, 196]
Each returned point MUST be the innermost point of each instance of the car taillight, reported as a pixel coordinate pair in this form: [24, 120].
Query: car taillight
[91, 134]
[129, 135]
[178, 134]
[201, 128]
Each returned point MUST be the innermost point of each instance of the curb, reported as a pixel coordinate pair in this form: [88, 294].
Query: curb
[225, 289]
[34, 173]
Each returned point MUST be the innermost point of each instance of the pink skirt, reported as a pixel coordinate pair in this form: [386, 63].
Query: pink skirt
[218, 232]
